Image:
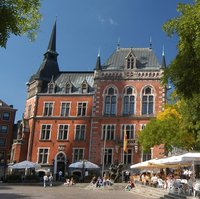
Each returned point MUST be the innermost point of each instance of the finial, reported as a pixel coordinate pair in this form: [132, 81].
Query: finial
[150, 43]
[163, 51]
[98, 53]
[118, 43]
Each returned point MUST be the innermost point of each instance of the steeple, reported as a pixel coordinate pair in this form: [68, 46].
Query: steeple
[98, 62]
[49, 66]
[163, 58]
[52, 41]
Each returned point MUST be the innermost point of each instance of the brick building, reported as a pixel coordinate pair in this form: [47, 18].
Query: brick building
[7, 119]
[69, 114]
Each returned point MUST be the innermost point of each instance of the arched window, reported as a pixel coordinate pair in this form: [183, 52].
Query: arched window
[147, 101]
[110, 101]
[128, 101]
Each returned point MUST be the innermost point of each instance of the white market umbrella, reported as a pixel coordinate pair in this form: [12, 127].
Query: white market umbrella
[84, 164]
[25, 165]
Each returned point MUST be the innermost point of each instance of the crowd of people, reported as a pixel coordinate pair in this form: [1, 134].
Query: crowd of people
[101, 182]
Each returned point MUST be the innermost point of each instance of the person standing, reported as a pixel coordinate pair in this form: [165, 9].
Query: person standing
[60, 175]
[50, 180]
[45, 179]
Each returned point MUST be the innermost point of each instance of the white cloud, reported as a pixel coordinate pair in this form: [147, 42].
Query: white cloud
[112, 22]
[109, 20]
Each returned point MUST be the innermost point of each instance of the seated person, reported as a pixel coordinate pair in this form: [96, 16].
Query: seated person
[72, 182]
[154, 180]
[67, 182]
[94, 180]
[130, 185]
[99, 182]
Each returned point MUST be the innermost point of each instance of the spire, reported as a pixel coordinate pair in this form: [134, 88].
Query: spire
[52, 41]
[49, 66]
[163, 58]
[98, 62]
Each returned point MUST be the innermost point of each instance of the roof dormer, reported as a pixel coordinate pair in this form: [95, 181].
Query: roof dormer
[85, 86]
[130, 60]
[51, 86]
[68, 87]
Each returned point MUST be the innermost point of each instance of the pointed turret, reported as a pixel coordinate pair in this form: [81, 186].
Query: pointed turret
[163, 58]
[49, 66]
[98, 62]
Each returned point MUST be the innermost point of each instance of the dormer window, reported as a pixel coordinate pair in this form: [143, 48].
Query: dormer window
[130, 61]
[68, 88]
[51, 88]
[84, 88]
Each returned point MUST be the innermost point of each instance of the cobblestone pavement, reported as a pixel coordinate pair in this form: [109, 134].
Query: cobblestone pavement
[83, 191]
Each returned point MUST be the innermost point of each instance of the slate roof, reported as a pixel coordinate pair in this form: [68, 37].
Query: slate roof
[145, 57]
[76, 79]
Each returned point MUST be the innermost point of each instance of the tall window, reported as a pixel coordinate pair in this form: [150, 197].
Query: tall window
[6, 116]
[29, 111]
[108, 132]
[128, 157]
[2, 142]
[43, 155]
[129, 101]
[147, 101]
[48, 109]
[82, 106]
[45, 132]
[78, 154]
[65, 109]
[2, 157]
[130, 131]
[3, 129]
[63, 132]
[110, 102]
[80, 132]
[108, 154]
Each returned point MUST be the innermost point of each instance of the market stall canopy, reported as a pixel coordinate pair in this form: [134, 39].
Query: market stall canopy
[25, 165]
[84, 164]
[187, 158]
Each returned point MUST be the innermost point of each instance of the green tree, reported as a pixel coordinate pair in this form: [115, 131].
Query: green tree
[19, 17]
[168, 128]
[184, 70]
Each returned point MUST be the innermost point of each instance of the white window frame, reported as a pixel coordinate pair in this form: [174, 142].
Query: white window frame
[45, 131]
[48, 102]
[106, 133]
[81, 115]
[38, 153]
[73, 154]
[58, 132]
[65, 102]
[80, 132]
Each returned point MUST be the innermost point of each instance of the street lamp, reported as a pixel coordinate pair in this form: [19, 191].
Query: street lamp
[104, 147]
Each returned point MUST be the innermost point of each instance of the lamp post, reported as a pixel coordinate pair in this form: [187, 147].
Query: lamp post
[104, 146]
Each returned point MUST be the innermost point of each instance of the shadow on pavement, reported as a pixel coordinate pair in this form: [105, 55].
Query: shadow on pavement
[12, 196]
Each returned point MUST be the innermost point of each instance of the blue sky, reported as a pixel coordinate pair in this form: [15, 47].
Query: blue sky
[84, 27]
